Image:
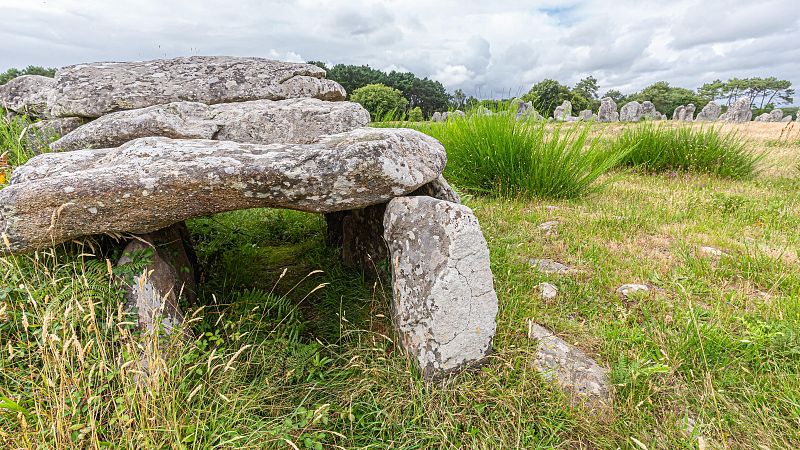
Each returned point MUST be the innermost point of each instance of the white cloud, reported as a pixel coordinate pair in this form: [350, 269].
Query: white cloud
[485, 48]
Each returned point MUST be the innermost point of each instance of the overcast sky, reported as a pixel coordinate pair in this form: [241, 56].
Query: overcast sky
[485, 47]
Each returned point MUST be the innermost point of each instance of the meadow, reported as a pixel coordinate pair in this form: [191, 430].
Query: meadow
[293, 350]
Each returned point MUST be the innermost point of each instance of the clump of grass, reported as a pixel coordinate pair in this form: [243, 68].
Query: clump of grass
[662, 148]
[12, 144]
[501, 156]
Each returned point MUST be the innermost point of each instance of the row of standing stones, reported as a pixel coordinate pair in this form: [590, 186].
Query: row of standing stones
[634, 111]
[140, 147]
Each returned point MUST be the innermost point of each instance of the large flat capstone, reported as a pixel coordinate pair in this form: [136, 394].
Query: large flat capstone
[444, 304]
[150, 183]
[96, 89]
[297, 121]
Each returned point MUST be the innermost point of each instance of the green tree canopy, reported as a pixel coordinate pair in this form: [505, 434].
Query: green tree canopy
[764, 93]
[380, 100]
[12, 73]
[666, 98]
[617, 96]
[546, 95]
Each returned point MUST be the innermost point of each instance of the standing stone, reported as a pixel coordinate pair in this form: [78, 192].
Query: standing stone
[776, 115]
[96, 89]
[631, 112]
[152, 293]
[27, 95]
[444, 304]
[524, 109]
[436, 117]
[586, 115]
[459, 113]
[648, 110]
[151, 183]
[739, 112]
[563, 112]
[709, 113]
[678, 113]
[608, 108]
[787, 119]
[297, 121]
[688, 113]
[765, 117]
[615, 116]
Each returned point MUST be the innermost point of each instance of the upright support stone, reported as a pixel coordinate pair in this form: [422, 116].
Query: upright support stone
[153, 291]
[444, 304]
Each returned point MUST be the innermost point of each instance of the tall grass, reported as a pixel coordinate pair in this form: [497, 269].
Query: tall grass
[498, 155]
[661, 148]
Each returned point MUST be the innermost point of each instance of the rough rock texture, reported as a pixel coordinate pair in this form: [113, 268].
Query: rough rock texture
[444, 304]
[547, 291]
[776, 114]
[585, 381]
[563, 112]
[678, 113]
[459, 113]
[648, 110]
[39, 134]
[631, 112]
[688, 113]
[626, 290]
[27, 95]
[150, 183]
[787, 119]
[586, 114]
[438, 188]
[436, 117]
[614, 117]
[153, 291]
[96, 89]
[765, 117]
[549, 266]
[298, 121]
[739, 112]
[608, 107]
[709, 113]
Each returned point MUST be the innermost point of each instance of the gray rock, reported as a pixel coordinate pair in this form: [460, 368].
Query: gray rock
[579, 376]
[547, 291]
[607, 111]
[525, 111]
[440, 189]
[585, 115]
[483, 111]
[739, 112]
[776, 115]
[153, 291]
[679, 113]
[150, 183]
[27, 95]
[648, 110]
[548, 227]
[299, 121]
[96, 89]
[444, 304]
[709, 113]
[631, 112]
[766, 117]
[563, 112]
[712, 252]
[458, 113]
[549, 266]
[787, 119]
[688, 113]
[436, 117]
[627, 290]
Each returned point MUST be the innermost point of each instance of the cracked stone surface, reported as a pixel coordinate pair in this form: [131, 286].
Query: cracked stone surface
[444, 304]
[608, 110]
[96, 89]
[153, 291]
[549, 266]
[549, 227]
[299, 121]
[578, 375]
[547, 291]
[709, 113]
[630, 112]
[151, 183]
[740, 112]
[627, 290]
[27, 95]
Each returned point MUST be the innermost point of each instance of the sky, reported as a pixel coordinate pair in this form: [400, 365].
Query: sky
[488, 48]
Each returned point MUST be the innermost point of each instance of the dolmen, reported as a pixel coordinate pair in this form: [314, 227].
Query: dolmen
[159, 142]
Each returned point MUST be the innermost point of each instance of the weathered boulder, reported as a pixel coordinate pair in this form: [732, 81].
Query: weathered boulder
[153, 291]
[586, 115]
[525, 110]
[96, 89]
[648, 110]
[608, 107]
[547, 291]
[563, 112]
[27, 95]
[709, 113]
[765, 117]
[300, 120]
[436, 117]
[739, 112]
[679, 113]
[579, 376]
[787, 119]
[150, 183]
[688, 113]
[631, 112]
[39, 134]
[458, 113]
[444, 304]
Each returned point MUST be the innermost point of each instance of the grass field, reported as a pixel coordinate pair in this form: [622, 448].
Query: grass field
[295, 351]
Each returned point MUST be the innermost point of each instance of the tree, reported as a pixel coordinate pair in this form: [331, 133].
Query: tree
[587, 87]
[666, 98]
[762, 92]
[353, 77]
[459, 100]
[415, 114]
[380, 100]
[617, 96]
[546, 95]
[319, 64]
[12, 73]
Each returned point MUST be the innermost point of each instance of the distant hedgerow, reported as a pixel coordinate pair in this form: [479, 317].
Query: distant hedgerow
[660, 148]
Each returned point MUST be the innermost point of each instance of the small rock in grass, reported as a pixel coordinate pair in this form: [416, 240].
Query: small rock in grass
[711, 251]
[547, 290]
[578, 375]
[549, 266]
[626, 290]
[549, 227]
